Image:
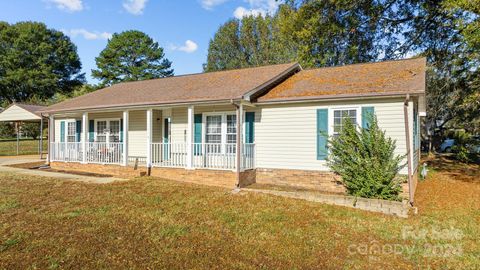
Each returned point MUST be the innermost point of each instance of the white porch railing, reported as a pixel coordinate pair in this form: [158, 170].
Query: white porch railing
[214, 155]
[97, 152]
[205, 155]
[104, 153]
[248, 157]
[169, 154]
[66, 151]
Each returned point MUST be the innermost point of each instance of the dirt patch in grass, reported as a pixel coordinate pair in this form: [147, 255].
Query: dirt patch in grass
[154, 223]
[36, 165]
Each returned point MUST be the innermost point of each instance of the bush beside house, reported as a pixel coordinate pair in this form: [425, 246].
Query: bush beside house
[365, 159]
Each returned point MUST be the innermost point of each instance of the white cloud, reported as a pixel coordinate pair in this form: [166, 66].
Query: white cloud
[134, 7]
[257, 7]
[188, 47]
[87, 34]
[241, 12]
[210, 4]
[68, 5]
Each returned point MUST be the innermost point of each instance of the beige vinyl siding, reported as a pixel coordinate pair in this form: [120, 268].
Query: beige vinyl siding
[285, 135]
[15, 113]
[180, 119]
[157, 126]
[137, 134]
[57, 126]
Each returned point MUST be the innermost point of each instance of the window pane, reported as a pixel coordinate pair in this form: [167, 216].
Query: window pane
[114, 131]
[101, 131]
[214, 124]
[71, 130]
[339, 117]
[231, 124]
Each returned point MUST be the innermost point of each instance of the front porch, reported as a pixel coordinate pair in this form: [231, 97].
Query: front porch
[217, 137]
[174, 155]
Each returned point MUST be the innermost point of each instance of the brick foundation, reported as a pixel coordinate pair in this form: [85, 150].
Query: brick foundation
[316, 180]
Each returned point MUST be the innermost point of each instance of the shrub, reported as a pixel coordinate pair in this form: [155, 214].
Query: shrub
[366, 161]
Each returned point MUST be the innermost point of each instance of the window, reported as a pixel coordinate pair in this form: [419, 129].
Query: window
[102, 131]
[71, 132]
[221, 133]
[108, 131]
[231, 133]
[339, 117]
[114, 131]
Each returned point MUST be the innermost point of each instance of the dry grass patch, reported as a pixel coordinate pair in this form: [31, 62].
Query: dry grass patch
[154, 223]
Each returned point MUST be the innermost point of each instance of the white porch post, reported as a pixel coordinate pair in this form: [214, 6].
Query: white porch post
[190, 140]
[125, 138]
[239, 142]
[84, 136]
[51, 137]
[149, 138]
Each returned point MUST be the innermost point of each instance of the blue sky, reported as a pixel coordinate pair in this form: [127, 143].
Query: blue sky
[183, 28]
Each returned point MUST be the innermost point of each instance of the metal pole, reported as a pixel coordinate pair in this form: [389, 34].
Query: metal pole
[41, 137]
[18, 137]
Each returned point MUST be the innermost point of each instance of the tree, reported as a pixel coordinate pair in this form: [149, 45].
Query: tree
[249, 42]
[131, 56]
[36, 60]
[30, 130]
[366, 161]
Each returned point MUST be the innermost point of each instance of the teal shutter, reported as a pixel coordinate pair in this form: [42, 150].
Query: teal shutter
[249, 127]
[322, 134]
[367, 116]
[62, 131]
[78, 130]
[121, 130]
[197, 133]
[91, 131]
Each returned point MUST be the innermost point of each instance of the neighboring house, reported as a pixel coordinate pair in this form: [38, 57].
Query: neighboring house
[233, 128]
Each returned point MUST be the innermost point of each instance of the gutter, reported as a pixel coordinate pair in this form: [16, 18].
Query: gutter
[409, 150]
[339, 97]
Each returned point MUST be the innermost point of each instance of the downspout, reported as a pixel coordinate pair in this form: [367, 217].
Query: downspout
[237, 150]
[409, 150]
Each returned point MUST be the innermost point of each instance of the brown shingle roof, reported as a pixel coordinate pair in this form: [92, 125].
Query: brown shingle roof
[212, 86]
[382, 78]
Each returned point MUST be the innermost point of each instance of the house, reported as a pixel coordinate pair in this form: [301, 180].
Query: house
[232, 128]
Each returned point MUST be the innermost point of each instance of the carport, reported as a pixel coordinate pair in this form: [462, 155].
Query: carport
[24, 113]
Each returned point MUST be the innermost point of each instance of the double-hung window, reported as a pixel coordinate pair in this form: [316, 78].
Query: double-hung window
[107, 131]
[221, 133]
[71, 132]
[339, 117]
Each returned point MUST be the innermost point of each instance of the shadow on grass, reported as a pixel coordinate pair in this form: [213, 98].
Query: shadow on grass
[455, 169]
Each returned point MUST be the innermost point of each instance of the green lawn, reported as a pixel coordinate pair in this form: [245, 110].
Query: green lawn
[26, 147]
[154, 223]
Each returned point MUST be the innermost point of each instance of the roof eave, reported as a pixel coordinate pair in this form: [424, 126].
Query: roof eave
[143, 105]
[340, 97]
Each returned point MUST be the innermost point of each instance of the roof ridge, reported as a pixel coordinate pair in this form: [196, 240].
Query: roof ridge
[368, 63]
[203, 73]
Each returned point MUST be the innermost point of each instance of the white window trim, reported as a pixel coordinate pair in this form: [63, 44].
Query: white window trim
[107, 139]
[346, 107]
[66, 129]
[223, 125]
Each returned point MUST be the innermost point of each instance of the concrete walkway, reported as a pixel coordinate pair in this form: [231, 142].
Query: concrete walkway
[10, 160]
